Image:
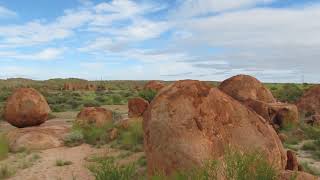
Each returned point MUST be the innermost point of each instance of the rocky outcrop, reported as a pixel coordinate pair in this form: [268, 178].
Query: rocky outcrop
[292, 162]
[189, 123]
[244, 87]
[137, 107]
[279, 114]
[37, 138]
[26, 107]
[154, 85]
[95, 116]
[257, 97]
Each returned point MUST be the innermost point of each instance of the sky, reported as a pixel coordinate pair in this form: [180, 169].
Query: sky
[273, 40]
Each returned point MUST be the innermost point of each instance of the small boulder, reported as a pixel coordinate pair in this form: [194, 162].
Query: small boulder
[137, 107]
[154, 85]
[26, 107]
[94, 116]
[292, 162]
[243, 87]
[190, 122]
[37, 138]
[113, 134]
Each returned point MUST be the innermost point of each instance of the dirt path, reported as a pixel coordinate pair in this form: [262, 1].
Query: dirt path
[46, 167]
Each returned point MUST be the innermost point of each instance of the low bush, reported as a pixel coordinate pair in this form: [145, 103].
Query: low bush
[74, 138]
[4, 147]
[107, 169]
[236, 166]
[132, 138]
[148, 94]
[60, 162]
[91, 134]
[5, 172]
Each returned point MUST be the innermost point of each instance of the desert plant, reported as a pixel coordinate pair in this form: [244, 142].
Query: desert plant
[74, 138]
[132, 138]
[92, 134]
[5, 172]
[4, 147]
[288, 93]
[248, 166]
[60, 162]
[148, 94]
[107, 169]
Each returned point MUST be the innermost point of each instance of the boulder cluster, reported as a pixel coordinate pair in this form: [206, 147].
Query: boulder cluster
[190, 122]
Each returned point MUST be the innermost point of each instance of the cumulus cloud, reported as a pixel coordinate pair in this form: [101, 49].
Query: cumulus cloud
[46, 54]
[6, 13]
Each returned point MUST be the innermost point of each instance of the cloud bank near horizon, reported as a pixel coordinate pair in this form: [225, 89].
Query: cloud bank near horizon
[141, 40]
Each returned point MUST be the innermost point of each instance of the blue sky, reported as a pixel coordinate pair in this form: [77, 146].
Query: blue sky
[274, 40]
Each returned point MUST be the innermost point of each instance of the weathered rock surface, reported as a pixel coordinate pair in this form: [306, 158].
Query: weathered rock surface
[309, 103]
[154, 85]
[26, 107]
[280, 114]
[37, 138]
[94, 116]
[137, 106]
[243, 87]
[189, 123]
[292, 162]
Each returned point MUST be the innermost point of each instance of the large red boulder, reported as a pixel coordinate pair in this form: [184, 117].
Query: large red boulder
[95, 116]
[26, 107]
[243, 87]
[189, 123]
[309, 103]
[137, 107]
[154, 85]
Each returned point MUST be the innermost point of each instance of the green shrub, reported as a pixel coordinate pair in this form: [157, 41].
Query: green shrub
[148, 94]
[106, 169]
[248, 166]
[5, 172]
[4, 147]
[74, 138]
[60, 162]
[132, 138]
[92, 134]
[91, 103]
[116, 99]
[309, 146]
[310, 131]
[288, 93]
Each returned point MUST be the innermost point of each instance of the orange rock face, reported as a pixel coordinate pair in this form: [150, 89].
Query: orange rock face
[189, 123]
[154, 85]
[292, 163]
[257, 97]
[26, 107]
[280, 114]
[309, 103]
[137, 107]
[243, 87]
[94, 116]
[37, 138]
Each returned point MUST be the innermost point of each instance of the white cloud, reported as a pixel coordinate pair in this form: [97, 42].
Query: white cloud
[46, 54]
[6, 13]
[190, 8]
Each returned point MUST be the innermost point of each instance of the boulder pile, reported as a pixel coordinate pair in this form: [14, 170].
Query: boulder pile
[189, 122]
[257, 97]
[309, 103]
